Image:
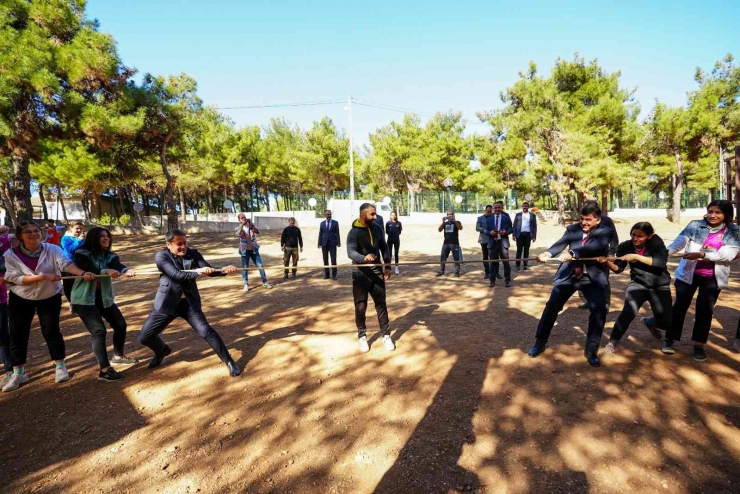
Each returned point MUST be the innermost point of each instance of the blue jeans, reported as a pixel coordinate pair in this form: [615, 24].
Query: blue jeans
[255, 256]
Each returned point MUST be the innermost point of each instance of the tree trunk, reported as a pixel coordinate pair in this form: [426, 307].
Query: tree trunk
[44, 209]
[121, 199]
[7, 196]
[677, 188]
[85, 205]
[267, 198]
[169, 195]
[96, 209]
[60, 200]
[22, 188]
[560, 187]
[604, 200]
[183, 206]
[210, 199]
[135, 199]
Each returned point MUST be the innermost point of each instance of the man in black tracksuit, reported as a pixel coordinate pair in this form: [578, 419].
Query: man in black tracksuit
[366, 245]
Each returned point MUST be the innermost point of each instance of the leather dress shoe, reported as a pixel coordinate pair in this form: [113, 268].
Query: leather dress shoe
[507, 284]
[537, 349]
[157, 359]
[492, 282]
[233, 368]
[593, 359]
[499, 277]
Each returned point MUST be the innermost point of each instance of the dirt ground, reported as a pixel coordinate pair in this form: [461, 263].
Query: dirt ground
[458, 407]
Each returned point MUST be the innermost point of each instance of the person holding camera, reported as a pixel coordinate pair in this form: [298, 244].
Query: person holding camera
[249, 249]
[451, 242]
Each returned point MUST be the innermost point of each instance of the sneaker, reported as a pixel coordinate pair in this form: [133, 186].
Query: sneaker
[584, 306]
[294, 275]
[397, 271]
[610, 349]
[736, 346]
[388, 342]
[6, 378]
[246, 288]
[61, 374]
[266, 285]
[653, 329]
[285, 276]
[111, 375]
[699, 354]
[440, 273]
[668, 347]
[15, 381]
[364, 347]
[123, 359]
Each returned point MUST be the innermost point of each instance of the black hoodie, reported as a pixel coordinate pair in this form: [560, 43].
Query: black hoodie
[363, 240]
[649, 276]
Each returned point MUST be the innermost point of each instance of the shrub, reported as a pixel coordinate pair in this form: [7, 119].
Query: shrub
[124, 220]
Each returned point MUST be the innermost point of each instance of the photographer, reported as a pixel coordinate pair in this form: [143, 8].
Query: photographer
[450, 227]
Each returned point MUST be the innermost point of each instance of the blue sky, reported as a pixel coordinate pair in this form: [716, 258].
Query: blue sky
[427, 56]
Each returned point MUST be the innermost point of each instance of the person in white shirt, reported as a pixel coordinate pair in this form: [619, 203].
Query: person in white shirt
[34, 271]
[525, 233]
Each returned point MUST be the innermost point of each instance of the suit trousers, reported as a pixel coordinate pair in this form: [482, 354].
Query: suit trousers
[326, 252]
[158, 321]
[486, 265]
[373, 284]
[498, 251]
[561, 292]
[523, 241]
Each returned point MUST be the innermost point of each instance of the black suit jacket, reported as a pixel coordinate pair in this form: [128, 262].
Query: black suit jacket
[329, 238]
[596, 245]
[174, 282]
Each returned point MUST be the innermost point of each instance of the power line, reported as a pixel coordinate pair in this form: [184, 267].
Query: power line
[408, 110]
[283, 105]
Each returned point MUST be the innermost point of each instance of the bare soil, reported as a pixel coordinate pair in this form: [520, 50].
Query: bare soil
[458, 407]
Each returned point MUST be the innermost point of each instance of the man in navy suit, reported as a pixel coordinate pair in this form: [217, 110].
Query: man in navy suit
[498, 243]
[585, 239]
[525, 232]
[329, 240]
[178, 296]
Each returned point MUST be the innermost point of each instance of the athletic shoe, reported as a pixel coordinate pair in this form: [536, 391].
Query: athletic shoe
[266, 285]
[440, 273]
[285, 276]
[123, 359]
[246, 288]
[15, 381]
[653, 329]
[699, 354]
[397, 271]
[234, 369]
[584, 306]
[388, 342]
[736, 346]
[364, 347]
[111, 375]
[6, 378]
[668, 347]
[507, 284]
[61, 374]
[610, 349]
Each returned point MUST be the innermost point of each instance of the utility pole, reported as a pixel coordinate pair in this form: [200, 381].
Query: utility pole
[351, 159]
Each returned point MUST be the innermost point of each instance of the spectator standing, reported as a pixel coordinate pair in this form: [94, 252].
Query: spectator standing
[291, 243]
[329, 240]
[525, 234]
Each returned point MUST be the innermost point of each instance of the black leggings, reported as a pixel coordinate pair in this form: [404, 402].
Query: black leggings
[92, 316]
[635, 296]
[705, 301]
[397, 245]
[20, 317]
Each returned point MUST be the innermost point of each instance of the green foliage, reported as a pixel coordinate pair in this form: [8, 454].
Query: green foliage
[124, 220]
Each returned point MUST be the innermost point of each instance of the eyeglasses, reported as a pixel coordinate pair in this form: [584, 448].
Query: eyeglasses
[31, 232]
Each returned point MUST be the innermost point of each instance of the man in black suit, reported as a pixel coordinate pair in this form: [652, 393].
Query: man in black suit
[586, 239]
[498, 244]
[178, 296]
[606, 222]
[525, 232]
[328, 242]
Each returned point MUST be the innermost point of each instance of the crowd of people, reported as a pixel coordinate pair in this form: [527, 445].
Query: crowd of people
[38, 265]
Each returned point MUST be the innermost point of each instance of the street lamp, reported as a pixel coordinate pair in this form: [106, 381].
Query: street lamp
[449, 183]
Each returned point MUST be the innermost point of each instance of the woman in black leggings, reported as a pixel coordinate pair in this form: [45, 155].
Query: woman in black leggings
[393, 230]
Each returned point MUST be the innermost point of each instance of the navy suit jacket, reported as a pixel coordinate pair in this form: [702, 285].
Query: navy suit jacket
[504, 224]
[596, 245]
[329, 238]
[173, 281]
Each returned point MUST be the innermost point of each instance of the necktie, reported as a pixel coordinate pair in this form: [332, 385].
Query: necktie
[327, 225]
[579, 268]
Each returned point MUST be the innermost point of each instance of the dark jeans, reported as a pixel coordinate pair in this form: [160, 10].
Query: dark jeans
[326, 252]
[498, 251]
[397, 246]
[5, 338]
[635, 296]
[373, 284]
[290, 253]
[255, 256]
[20, 317]
[523, 241]
[561, 292]
[486, 265]
[158, 321]
[708, 295]
[92, 317]
[446, 249]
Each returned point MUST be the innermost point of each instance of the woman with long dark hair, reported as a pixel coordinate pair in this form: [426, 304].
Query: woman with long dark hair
[393, 229]
[647, 256]
[709, 246]
[34, 270]
[94, 301]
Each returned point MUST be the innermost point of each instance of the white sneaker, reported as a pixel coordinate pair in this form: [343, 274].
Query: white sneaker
[610, 349]
[364, 347]
[61, 375]
[397, 271]
[246, 288]
[5, 379]
[388, 342]
[266, 285]
[15, 381]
